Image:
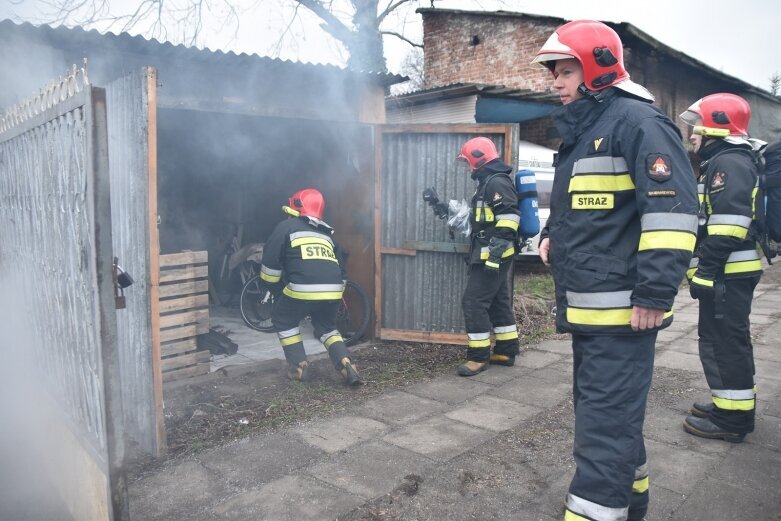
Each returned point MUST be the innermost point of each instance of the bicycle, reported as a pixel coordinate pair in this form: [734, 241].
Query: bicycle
[352, 318]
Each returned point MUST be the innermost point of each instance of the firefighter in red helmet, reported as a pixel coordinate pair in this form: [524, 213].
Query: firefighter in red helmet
[303, 251]
[726, 266]
[487, 302]
[620, 234]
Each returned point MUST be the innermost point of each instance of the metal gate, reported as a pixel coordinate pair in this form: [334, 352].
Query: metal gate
[421, 273]
[56, 263]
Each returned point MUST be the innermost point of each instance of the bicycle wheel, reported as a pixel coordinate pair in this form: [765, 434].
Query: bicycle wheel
[354, 313]
[256, 305]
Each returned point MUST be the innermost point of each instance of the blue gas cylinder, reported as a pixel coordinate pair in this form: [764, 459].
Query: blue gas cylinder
[526, 186]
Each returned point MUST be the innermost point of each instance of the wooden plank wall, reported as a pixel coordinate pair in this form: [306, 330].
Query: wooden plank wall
[184, 314]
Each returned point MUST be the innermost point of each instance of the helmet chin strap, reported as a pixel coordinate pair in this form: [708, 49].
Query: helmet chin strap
[596, 95]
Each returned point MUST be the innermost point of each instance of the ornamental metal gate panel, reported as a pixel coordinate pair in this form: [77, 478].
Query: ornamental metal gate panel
[420, 270]
[57, 277]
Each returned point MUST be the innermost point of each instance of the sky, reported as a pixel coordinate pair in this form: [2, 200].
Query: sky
[737, 38]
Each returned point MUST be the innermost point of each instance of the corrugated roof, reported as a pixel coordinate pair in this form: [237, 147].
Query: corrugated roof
[464, 89]
[72, 38]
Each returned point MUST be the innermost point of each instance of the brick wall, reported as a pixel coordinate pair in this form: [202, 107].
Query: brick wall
[507, 46]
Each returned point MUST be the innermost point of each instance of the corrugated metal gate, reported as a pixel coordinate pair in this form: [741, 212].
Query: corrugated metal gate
[55, 249]
[420, 271]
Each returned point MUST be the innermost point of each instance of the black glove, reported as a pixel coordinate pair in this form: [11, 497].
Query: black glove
[431, 197]
[496, 248]
[698, 288]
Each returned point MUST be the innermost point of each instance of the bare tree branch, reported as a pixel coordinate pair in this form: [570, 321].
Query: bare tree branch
[388, 10]
[333, 25]
[402, 38]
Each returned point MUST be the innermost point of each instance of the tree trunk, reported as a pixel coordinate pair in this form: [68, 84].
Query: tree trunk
[365, 46]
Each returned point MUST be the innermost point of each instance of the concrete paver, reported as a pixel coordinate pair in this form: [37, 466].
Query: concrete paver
[341, 432]
[676, 360]
[450, 389]
[535, 391]
[400, 408]
[492, 413]
[291, 498]
[439, 438]
[372, 469]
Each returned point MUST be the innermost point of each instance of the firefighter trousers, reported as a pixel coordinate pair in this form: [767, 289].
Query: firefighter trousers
[612, 376]
[727, 354]
[488, 308]
[286, 317]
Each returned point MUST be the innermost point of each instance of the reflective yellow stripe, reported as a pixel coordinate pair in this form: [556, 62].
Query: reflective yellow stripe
[742, 267]
[290, 340]
[667, 240]
[602, 183]
[331, 339]
[489, 214]
[480, 343]
[603, 317]
[507, 336]
[492, 264]
[312, 295]
[304, 241]
[270, 278]
[690, 273]
[569, 515]
[728, 230]
[733, 405]
[640, 485]
[509, 252]
[702, 282]
[504, 223]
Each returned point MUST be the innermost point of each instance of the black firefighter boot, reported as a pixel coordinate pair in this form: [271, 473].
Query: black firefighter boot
[350, 372]
[704, 428]
[472, 367]
[701, 409]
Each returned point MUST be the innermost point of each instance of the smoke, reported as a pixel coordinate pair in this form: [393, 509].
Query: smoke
[27, 489]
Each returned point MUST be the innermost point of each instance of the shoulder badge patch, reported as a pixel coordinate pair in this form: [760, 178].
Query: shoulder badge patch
[719, 182]
[658, 167]
[497, 196]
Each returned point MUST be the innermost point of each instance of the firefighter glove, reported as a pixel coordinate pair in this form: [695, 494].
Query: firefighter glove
[701, 288]
[496, 249]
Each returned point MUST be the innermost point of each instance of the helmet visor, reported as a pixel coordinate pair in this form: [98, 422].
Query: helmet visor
[690, 117]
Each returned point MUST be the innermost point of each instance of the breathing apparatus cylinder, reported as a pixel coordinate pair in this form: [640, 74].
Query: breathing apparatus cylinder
[526, 186]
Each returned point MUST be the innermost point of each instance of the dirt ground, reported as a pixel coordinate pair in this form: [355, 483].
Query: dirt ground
[221, 407]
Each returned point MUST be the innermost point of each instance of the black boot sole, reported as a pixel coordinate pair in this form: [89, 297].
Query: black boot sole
[463, 371]
[726, 436]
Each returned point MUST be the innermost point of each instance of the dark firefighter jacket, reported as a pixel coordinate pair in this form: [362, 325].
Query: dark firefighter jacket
[495, 216]
[302, 249]
[728, 187]
[623, 219]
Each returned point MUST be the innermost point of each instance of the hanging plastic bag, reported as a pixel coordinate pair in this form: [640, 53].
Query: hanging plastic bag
[458, 217]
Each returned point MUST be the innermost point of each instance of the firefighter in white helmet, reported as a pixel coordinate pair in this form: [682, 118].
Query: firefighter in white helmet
[621, 231]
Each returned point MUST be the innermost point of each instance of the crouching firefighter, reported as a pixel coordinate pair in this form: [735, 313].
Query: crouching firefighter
[487, 302]
[726, 267]
[303, 250]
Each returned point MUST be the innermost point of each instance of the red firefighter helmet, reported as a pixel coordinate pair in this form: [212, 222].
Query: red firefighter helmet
[598, 49]
[308, 203]
[478, 151]
[719, 115]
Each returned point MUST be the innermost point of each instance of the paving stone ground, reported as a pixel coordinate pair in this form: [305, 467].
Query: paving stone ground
[496, 446]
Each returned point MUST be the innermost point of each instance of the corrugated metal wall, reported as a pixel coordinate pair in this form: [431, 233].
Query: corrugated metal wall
[456, 110]
[422, 292]
[128, 129]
